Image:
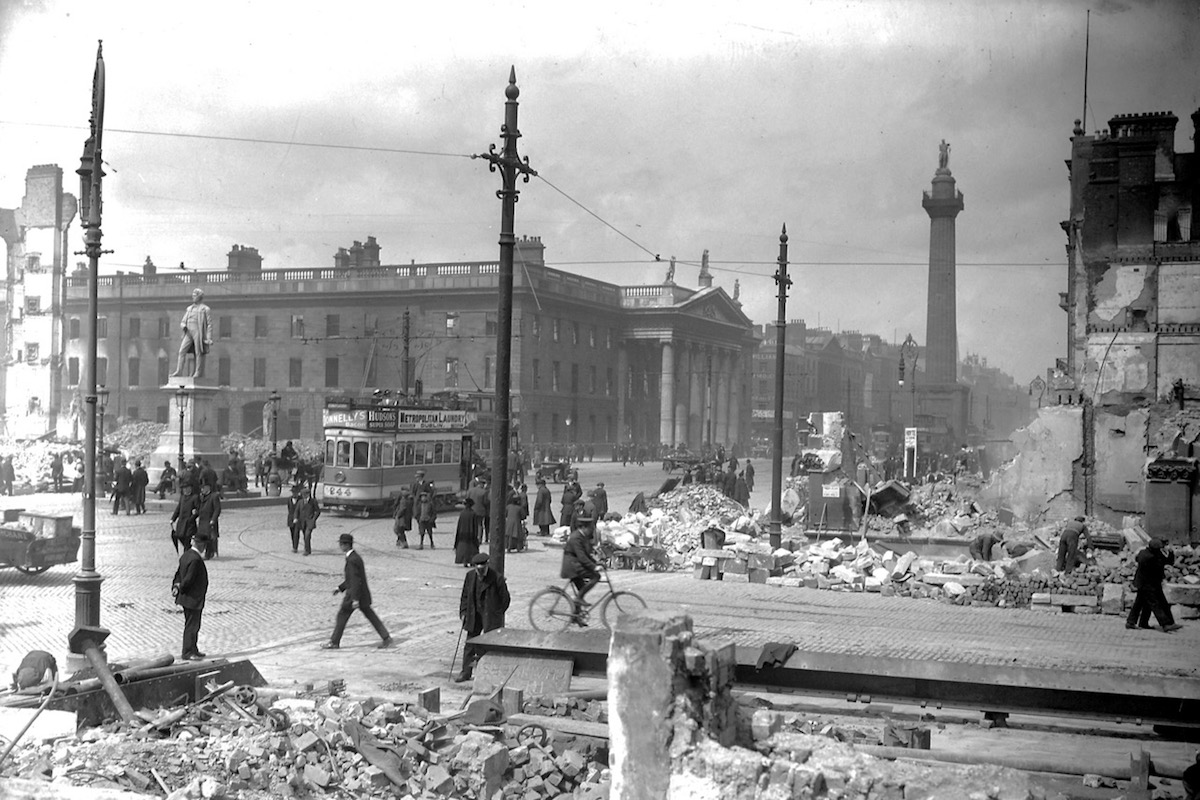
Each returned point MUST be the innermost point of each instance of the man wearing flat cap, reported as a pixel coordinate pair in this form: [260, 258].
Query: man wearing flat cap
[484, 600]
[357, 595]
[1152, 563]
[1069, 546]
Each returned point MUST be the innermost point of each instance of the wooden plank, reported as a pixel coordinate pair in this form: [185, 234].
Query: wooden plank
[22, 789]
[578, 727]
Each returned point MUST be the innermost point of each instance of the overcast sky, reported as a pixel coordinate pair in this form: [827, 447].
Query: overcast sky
[658, 128]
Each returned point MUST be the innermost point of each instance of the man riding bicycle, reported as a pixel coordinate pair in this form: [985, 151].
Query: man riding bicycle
[579, 564]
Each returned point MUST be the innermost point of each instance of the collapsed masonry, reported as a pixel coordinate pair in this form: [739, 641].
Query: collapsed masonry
[677, 732]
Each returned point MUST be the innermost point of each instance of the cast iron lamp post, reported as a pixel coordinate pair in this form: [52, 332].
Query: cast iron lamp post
[509, 165]
[274, 400]
[181, 398]
[102, 408]
[908, 356]
[274, 479]
[87, 581]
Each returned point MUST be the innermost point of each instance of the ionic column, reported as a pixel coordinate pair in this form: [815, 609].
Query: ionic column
[622, 380]
[721, 398]
[737, 386]
[681, 406]
[695, 435]
[666, 408]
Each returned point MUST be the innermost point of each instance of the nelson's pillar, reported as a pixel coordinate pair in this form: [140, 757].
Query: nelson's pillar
[942, 400]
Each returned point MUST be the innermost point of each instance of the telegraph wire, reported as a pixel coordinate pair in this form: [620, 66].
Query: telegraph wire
[246, 140]
[656, 257]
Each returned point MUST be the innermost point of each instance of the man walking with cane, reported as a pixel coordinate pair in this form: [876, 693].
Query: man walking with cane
[481, 608]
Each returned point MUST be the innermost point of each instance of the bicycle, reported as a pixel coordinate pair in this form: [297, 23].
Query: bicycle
[553, 608]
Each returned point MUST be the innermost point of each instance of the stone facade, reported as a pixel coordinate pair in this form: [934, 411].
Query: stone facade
[592, 362]
[1133, 308]
[31, 380]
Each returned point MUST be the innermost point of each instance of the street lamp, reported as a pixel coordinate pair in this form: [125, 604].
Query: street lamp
[274, 400]
[908, 355]
[87, 581]
[274, 479]
[181, 397]
[102, 405]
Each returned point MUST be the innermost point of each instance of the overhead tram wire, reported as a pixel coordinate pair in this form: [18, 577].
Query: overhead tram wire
[250, 140]
[656, 257]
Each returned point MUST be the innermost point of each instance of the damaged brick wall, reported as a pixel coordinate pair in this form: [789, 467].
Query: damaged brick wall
[1037, 485]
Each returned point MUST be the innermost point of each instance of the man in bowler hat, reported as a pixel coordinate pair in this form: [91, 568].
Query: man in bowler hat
[358, 595]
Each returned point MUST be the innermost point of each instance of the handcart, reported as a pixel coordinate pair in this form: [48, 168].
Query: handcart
[35, 542]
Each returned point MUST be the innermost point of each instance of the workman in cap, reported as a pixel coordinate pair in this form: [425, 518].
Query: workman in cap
[357, 595]
[1152, 562]
[481, 608]
[1068, 545]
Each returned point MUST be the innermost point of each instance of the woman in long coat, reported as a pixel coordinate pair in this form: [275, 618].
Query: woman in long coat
[466, 537]
[514, 526]
[402, 516]
[543, 516]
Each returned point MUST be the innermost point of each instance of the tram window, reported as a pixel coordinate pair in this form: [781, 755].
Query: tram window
[428, 452]
[374, 454]
[419, 452]
[409, 457]
[457, 452]
[343, 453]
[360, 453]
[438, 453]
[387, 454]
[330, 451]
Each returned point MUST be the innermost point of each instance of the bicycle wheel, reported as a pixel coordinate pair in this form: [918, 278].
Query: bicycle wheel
[550, 610]
[619, 603]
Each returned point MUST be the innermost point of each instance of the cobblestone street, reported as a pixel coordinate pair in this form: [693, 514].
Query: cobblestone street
[277, 607]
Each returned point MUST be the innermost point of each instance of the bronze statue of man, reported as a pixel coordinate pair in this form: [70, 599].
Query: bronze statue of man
[197, 335]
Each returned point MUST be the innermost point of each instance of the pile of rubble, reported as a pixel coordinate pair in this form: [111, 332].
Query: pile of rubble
[241, 744]
[135, 440]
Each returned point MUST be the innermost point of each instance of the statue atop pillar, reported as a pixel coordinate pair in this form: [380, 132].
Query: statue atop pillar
[737, 289]
[671, 272]
[197, 335]
[944, 156]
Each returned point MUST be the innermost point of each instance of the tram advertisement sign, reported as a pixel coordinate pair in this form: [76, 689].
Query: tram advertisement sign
[396, 419]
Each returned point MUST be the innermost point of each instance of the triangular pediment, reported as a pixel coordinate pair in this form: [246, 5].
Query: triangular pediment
[714, 304]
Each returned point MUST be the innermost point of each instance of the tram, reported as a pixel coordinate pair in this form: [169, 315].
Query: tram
[372, 449]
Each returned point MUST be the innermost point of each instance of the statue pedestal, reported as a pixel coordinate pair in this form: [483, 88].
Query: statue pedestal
[200, 439]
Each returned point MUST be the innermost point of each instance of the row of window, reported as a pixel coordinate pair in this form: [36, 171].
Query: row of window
[389, 453]
[573, 330]
[167, 330]
[556, 382]
[133, 373]
[333, 327]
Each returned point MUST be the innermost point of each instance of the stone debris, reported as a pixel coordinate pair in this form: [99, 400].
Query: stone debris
[241, 746]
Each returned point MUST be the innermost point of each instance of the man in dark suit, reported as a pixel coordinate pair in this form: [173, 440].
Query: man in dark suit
[183, 519]
[358, 595]
[122, 488]
[481, 608]
[190, 587]
[140, 479]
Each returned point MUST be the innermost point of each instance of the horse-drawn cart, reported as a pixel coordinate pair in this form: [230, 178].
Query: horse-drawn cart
[35, 542]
